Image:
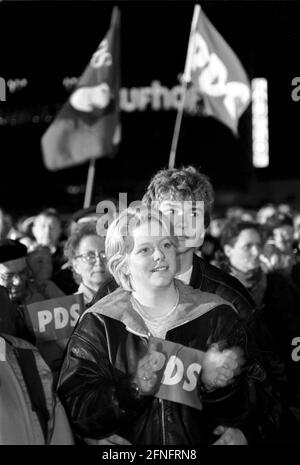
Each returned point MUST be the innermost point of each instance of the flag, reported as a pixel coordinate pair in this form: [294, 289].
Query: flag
[88, 125]
[216, 73]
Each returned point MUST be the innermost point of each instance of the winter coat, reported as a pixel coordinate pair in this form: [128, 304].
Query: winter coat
[31, 414]
[96, 380]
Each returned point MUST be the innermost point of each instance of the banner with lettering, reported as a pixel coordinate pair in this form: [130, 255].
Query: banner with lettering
[217, 73]
[88, 125]
[53, 322]
[178, 370]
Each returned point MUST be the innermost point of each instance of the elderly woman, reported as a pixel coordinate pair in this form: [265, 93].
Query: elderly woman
[85, 251]
[110, 379]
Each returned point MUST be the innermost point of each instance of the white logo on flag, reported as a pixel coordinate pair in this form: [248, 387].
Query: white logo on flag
[213, 78]
[88, 98]
[101, 57]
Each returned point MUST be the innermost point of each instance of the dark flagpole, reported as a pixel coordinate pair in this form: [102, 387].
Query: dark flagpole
[89, 184]
[186, 78]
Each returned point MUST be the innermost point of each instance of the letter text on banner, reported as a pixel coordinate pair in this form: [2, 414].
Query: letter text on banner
[55, 319]
[53, 322]
[217, 74]
[179, 374]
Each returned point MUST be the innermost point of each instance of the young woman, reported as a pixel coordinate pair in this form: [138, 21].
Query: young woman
[109, 380]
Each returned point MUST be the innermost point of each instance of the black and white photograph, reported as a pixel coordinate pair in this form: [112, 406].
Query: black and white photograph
[149, 226]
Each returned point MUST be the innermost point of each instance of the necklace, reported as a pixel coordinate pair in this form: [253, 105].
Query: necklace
[141, 309]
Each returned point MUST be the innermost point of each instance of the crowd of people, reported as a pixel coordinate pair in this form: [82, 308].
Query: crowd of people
[168, 274]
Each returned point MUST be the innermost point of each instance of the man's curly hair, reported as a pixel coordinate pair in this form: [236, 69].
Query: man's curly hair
[184, 183]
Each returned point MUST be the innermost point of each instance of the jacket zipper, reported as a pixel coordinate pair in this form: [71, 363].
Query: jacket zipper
[162, 410]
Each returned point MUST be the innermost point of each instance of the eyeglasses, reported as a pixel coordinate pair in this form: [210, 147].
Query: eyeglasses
[91, 257]
[8, 278]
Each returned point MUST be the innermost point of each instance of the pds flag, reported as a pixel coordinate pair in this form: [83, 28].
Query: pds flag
[88, 125]
[216, 73]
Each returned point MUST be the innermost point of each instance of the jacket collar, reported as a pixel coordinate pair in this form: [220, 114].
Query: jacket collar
[192, 304]
[88, 294]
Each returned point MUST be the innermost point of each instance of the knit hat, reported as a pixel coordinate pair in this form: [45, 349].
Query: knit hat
[11, 250]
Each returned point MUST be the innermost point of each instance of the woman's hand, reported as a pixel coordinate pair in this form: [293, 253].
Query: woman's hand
[229, 437]
[220, 367]
[146, 376]
[113, 440]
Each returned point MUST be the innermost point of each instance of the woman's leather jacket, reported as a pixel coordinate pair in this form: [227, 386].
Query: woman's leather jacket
[96, 382]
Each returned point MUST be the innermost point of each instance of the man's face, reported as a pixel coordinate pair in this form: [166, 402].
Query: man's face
[283, 238]
[244, 254]
[40, 263]
[14, 276]
[187, 219]
[46, 230]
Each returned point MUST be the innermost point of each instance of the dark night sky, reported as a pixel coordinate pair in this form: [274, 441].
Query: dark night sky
[45, 41]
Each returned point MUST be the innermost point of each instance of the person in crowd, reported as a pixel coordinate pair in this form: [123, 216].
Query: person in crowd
[281, 250]
[285, 208]
[85, 252]
[209, 248]
[31, 413]
[265, 212]
[22, 288]
[47, 230]
[283, 232]
[8, 313]
[40, 262]
[242, 256]
[112, 347]
[65, 278]
[216, 225]
[242, 244]
[23, 230]
[177, 192]
[211, 243]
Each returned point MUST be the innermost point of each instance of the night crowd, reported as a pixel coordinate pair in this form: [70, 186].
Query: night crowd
[227, 285]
